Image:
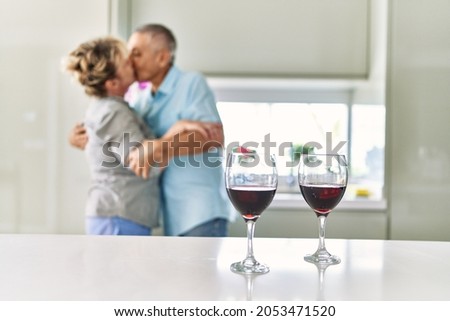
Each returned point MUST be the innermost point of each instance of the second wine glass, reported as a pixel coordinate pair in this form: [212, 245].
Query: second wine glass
[322, 180]
[251, 181]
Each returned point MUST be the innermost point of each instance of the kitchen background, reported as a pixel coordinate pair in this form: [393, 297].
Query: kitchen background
[375, 73]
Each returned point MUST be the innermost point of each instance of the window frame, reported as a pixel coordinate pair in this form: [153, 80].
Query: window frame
[298, 91]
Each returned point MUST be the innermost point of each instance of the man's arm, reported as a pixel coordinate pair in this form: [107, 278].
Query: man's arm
[78, 137]
[208, 134]
[201, 106]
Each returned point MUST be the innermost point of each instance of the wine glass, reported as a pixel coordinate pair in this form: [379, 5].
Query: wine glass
[322, 179]
[251, 181]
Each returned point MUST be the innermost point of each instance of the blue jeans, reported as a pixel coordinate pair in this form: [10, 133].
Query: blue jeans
[217, 227]
[114, 226]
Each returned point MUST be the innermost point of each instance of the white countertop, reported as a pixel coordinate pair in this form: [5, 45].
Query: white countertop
[76, 267]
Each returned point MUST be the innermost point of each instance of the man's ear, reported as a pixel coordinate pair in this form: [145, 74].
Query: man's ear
[164, 58]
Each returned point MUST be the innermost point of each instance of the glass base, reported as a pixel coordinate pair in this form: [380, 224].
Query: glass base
[245, 267]
[322, 257]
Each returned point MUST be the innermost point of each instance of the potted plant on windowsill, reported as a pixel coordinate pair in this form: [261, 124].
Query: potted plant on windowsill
[299, 149]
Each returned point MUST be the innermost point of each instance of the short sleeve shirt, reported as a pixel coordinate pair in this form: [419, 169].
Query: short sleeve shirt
[192, 187]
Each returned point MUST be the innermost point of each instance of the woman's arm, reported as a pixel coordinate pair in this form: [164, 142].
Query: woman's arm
[184, 138]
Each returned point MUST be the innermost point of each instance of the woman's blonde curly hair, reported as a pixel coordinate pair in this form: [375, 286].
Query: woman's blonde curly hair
[94, 62]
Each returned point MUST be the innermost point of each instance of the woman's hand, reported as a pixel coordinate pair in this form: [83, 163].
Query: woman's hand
[78, 136]
[150, 154]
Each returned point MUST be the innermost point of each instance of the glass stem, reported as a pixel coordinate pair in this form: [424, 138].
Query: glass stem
[250, 233]
[322, 224]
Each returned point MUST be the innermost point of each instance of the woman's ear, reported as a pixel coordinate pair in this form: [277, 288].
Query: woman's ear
[111, 85]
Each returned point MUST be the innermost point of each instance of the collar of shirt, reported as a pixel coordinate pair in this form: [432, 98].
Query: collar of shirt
[169, 82]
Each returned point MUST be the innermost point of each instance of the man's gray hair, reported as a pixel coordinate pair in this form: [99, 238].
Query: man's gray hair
[166, 33]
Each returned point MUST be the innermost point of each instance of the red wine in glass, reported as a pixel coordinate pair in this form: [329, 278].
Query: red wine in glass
[251, 180]
[251, 201]
[322, 199]
[322, 179]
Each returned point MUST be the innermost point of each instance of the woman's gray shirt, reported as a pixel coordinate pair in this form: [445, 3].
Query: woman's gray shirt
[113, 128]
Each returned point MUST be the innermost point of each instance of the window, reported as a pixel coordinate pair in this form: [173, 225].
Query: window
[367, 151]
[358, 131]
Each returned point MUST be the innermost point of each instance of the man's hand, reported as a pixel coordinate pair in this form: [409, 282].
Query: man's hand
[78, 136]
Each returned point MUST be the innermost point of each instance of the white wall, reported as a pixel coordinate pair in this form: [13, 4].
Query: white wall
[43, 182]
[418, 111]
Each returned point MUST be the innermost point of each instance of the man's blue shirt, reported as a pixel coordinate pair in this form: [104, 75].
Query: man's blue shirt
[192, 187]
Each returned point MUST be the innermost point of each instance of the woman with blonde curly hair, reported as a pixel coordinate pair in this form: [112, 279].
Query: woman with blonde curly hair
[119, 202]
